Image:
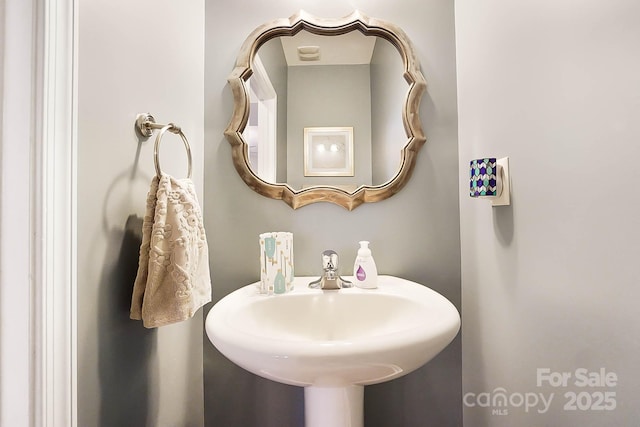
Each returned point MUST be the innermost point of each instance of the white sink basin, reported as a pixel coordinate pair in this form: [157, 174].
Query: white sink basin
[333, 341]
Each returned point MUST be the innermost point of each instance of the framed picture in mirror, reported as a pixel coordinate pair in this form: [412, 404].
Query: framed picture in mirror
[328, 151]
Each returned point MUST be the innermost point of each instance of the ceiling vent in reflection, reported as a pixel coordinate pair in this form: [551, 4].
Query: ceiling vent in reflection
[309, 53]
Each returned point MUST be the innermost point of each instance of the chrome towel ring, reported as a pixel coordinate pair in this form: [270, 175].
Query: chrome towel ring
[145, 124]
[173, 129]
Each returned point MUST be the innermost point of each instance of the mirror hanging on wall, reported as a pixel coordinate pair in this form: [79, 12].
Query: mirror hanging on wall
[331, 110]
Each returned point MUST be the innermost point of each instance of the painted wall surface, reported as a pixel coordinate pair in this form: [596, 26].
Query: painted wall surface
[332, 96]
[414, 234]
[17, 66]
[550, 284]
[143, 56]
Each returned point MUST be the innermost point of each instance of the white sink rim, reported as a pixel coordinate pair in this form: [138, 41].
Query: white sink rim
[310, 362]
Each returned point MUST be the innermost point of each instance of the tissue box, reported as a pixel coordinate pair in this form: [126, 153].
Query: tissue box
[276, 262]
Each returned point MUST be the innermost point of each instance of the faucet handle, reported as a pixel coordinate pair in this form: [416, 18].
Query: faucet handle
[330, 260]
[330, 278]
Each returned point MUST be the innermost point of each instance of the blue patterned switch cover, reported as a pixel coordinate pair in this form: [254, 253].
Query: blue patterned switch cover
[483, 177]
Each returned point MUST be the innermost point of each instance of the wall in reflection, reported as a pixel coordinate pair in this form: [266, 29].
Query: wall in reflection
[357, 81]
[332, 96]
[388, 88]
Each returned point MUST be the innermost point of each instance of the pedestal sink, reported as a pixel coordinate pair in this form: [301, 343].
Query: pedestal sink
[333, 343]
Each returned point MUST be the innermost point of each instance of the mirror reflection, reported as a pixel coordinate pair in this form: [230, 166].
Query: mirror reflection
[326, 110]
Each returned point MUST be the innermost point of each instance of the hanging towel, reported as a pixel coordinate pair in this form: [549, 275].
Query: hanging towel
[173, 279]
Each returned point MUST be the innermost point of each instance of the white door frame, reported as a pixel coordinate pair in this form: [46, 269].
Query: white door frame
[267, 100]
[38, 154]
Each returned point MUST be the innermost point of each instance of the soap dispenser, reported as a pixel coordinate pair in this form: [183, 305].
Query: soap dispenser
[365, 273]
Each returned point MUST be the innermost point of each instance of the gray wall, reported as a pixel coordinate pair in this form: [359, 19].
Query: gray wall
[388, 93]
[335, 96]
[551, 282]
[414, 234]
[143, 56]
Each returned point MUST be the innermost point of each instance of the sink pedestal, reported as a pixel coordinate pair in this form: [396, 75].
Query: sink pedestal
[334, 406]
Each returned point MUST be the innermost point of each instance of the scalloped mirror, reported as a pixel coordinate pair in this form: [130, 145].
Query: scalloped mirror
[326, 110]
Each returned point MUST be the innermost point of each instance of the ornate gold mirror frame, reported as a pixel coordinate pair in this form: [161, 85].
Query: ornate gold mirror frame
[328, 27]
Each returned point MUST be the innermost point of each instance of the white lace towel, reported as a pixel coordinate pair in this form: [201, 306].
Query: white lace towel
[173, 279]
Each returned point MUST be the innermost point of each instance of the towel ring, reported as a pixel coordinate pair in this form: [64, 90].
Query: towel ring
[173, 129]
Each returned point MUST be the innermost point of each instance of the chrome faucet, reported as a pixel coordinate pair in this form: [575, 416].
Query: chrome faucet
[330, 278]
